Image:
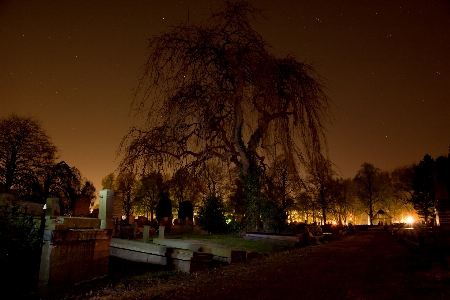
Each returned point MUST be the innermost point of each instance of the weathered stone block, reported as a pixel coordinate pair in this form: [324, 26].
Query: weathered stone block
[52, 207]
[81, 207]
[106, 205]
[73, 256]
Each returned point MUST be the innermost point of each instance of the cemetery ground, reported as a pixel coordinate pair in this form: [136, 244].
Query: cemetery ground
[367, 265]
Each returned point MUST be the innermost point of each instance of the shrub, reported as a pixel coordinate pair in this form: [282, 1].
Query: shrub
[164, 208]
[211, 216]
[186, 210]
[273, 215]
[19, 248]
[236, 226]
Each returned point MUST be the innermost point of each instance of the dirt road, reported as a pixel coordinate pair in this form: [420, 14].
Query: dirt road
[369, 265]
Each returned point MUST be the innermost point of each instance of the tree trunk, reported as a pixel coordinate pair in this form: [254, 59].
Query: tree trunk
[324, 215]
[238, 124]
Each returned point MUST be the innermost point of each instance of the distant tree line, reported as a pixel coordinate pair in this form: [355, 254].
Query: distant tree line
[286, 196]
[29, 165]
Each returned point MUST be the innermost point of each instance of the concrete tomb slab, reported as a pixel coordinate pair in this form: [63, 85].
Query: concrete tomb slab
[138, 251]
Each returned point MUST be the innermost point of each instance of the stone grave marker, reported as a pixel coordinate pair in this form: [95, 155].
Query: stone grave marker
[52, 209]
[81, 207]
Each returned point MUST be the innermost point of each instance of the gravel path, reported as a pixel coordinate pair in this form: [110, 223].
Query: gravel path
[369, 265]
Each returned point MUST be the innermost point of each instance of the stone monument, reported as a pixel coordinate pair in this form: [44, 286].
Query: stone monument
[105, 209]
[81, 207]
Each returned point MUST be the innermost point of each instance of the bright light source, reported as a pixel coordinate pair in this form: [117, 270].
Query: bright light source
[410, 220]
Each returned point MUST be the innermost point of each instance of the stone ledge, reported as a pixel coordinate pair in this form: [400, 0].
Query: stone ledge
[56, 236]
[132, 255]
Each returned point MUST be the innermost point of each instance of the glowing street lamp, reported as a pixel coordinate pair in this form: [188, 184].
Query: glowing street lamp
[409, 220]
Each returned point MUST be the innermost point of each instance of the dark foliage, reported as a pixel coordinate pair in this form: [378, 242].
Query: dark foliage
[423, 196]
[19, 250]
[236, 201]
[164, 207]
[186, 210]
[211, 216]
[372, 187]
[273, 215]
[442, 177]
[26, 152]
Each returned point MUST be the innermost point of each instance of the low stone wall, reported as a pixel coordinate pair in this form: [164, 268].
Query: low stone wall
[73, 256]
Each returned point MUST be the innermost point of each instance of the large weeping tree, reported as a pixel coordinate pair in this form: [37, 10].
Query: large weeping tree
[215, 90]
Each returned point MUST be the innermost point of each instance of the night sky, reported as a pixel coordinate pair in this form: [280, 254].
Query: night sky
[74, 65]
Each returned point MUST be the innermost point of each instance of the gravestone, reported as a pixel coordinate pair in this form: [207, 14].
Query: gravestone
[52, 209]
[141, 221]
[117, 208]
[148, 231]
[81, 207]
[161, 231]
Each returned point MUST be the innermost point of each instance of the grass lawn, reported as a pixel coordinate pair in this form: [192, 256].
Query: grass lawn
[233, 241]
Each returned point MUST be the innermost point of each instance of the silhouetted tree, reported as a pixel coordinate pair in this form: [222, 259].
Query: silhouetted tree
[88, 190]
[273, 214]
[399, 201]
[236, 201]
[214, 177]
[343, 200]
[321, 181]
[442, 177]
[108, 182]
[26, 152]
[149, 192]
[371, 185]
[307, 204]
[282, 182]
[185, 186]
[215, 90]
[126, 187]
[211, 216]
[423, 196]
[164, 207]
[62, 182]
[186, 210]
